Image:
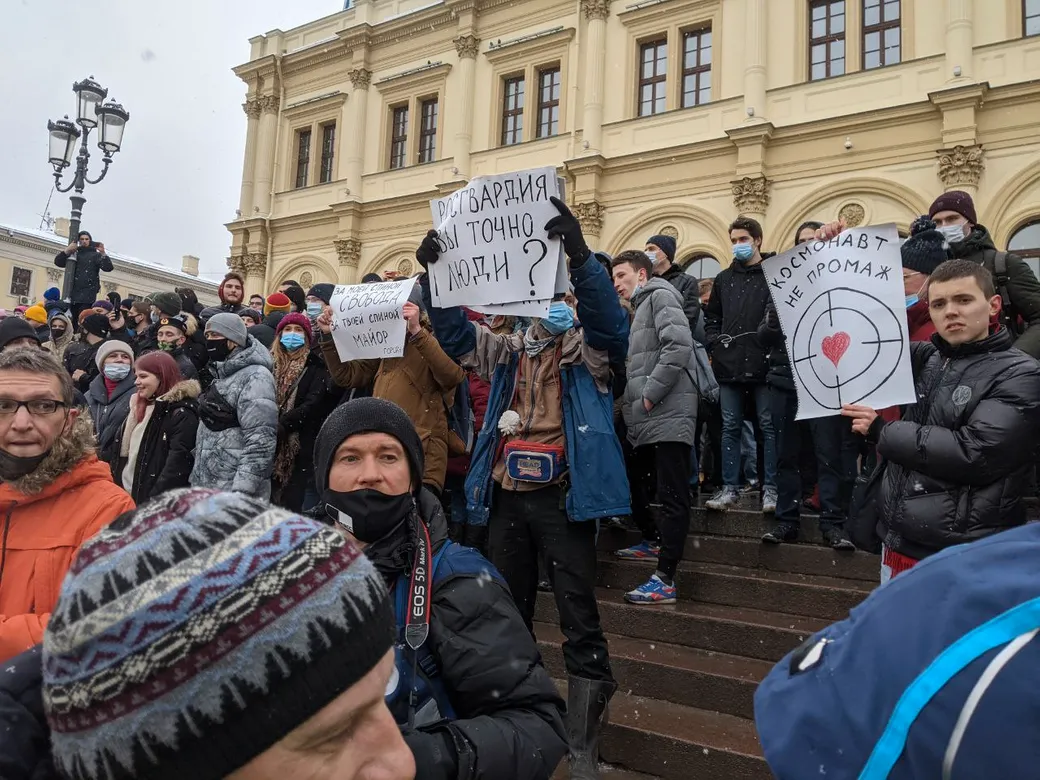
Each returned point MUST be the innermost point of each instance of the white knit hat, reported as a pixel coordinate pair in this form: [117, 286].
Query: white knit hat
[110, 346]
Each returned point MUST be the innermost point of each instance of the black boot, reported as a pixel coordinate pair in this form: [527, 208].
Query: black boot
[477, 537]
[586, 715]
[456, 532]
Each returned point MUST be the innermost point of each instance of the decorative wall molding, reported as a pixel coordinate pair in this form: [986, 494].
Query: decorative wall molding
[595, 9]
[361, 78]
[590, 217]
[349, 251]
[961, 166]
[252, 108]
[852, 214]
[467, 46]
[751, 196]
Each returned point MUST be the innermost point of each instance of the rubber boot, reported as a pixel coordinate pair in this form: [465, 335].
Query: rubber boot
[586, 715]
[477, 538]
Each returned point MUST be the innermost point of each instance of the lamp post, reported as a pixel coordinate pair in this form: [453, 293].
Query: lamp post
[109, 119]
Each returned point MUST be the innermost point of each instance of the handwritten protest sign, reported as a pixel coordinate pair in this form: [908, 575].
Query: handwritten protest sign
[367, 321]
[516, 309]
[842, 308]
[493, 245]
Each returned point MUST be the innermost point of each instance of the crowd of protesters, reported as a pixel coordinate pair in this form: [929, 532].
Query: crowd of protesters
[397, 513]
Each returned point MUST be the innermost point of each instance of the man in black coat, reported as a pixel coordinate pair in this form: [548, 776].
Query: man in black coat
[91, 259]
[484, 705]
[957, 465]
[734, 312]
[82, 363]
[661, 251]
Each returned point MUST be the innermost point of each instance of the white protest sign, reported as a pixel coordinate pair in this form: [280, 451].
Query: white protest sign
[367, 321]
[517, 309]
[842, 308]
[493, 245]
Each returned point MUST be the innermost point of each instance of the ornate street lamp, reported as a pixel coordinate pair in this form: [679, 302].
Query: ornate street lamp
[110, 118]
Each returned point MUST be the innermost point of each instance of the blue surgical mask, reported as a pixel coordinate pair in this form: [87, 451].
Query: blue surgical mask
[952, 233]
[911, 300]
[743, 252]
[292, 341]
[314, 310]
[560, 319]
[117, 372]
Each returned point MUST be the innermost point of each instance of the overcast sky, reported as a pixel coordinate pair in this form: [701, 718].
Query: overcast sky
[176, 181]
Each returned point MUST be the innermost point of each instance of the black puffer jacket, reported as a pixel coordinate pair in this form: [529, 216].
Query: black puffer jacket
[772, 338]
[959, 461]
[167, 452]
[509, 717]
[89, 264]
[109, 413]
[691, 298]
[1023, 288]
[25, 752]
[732, 316]
[82, 356]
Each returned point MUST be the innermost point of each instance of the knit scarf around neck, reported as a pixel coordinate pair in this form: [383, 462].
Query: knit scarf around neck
[534, 345]
[288, 367]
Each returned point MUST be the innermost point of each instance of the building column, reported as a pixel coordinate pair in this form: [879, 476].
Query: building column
[959, 40]
[354, 112]
[348, 250]
[466, 46]
[255, 266]
[596, 12]
[751, 197]
[756, 25]
[265, 152]
[245, 201]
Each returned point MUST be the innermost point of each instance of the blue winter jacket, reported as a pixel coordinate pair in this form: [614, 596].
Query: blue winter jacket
[598, 483]
[935, 675]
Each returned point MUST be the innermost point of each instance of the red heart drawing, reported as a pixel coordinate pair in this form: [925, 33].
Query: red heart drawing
[834, 347]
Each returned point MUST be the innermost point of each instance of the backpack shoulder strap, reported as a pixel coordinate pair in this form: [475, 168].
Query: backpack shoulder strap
[1000, 269]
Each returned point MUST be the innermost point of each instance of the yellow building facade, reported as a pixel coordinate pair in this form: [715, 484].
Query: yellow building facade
[663, 116]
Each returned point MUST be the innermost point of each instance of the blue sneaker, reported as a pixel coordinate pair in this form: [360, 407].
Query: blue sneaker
[653, 591]
[644, 551]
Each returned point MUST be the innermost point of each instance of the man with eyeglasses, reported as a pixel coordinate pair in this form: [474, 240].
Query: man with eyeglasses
[54, 492]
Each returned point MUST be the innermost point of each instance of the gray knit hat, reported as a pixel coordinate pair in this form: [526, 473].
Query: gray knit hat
[196, 632]
[228, 325]
[110, 346]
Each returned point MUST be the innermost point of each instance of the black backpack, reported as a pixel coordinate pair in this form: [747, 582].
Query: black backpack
[1009, 316]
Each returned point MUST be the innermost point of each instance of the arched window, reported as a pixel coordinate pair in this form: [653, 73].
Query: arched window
[702, 266]
[1026, 244]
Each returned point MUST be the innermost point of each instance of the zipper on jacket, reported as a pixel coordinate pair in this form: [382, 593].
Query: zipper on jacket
[537, 360]
[927, 409]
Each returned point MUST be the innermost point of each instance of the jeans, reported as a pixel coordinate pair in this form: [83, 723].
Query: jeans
[524, 527]
[749, 452]
[784, 407]
[669, 462]
[732, 399]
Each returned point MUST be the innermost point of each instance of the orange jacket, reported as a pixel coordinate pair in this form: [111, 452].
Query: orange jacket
[44, 518]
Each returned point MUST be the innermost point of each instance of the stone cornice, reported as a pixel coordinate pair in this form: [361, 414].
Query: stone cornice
[413, 81]
[530, 46]
[318, 106]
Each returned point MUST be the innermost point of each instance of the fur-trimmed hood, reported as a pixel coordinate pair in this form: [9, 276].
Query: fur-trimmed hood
[192, 324]
[67, 452]
[182, 391]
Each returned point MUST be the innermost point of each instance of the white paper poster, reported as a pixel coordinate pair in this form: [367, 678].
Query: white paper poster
[518, 309]
[367, 319]
[494, 249]
[842, 308]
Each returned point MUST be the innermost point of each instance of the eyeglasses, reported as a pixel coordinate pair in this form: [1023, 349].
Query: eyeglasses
[38, 407]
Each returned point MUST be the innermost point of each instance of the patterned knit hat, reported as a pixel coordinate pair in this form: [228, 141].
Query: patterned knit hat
[193, 634]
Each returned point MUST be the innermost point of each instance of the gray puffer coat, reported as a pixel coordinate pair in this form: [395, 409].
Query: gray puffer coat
[660, 369]
[241, 456]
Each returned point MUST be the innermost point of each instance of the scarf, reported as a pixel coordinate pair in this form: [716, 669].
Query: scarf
[533, 345]
[138, 409]
[288, 368]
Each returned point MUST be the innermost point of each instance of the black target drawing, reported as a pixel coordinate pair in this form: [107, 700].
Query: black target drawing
[829, 370]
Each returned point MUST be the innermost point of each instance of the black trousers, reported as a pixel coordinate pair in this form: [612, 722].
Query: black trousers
[667, 464]
[527, 525]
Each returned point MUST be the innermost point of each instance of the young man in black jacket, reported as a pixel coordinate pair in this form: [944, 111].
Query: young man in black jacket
[734, 312]
[661, 251]
[957, 465]
[91, 260]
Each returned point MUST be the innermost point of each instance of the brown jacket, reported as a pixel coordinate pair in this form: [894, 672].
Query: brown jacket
[421, 382]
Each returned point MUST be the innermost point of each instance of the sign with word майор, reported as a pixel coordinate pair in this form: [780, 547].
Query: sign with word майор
[367, 319]
[494, 248]
[843, 311]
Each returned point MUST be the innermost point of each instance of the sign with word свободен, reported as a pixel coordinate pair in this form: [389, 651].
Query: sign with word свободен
[843, 310]
[367, 319]
[493, 245]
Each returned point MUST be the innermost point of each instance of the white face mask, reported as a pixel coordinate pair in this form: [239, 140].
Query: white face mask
[652, 256]
[952, 233]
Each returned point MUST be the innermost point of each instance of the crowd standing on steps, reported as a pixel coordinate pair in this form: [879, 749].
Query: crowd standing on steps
[365, 540]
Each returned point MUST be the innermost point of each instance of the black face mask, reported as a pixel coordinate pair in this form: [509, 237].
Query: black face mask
[218, 350]
[13, 467]
[57, 333]
[368, 514]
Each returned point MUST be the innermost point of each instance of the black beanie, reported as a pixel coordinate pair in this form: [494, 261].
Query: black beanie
[15, 328]
[923, 251]
[323, 291]
[297, 296]
[366, 415]
[97, 325]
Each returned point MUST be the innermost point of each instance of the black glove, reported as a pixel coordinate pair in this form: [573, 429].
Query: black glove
[429, 250]
[567, 228]
[772, 318]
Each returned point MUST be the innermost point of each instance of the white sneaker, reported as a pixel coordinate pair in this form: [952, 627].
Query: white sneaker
[769, 501]
[723, 500]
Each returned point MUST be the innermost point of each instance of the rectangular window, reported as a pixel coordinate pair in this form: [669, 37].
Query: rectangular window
[328, 152]
[548, 103]
[428, 131]
[696, 67]
[653, 72]
[1031, 17]
[399, 137]
[881, 33]
[513, 111]
[303, 157]
[21, 281]
[826, 39]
